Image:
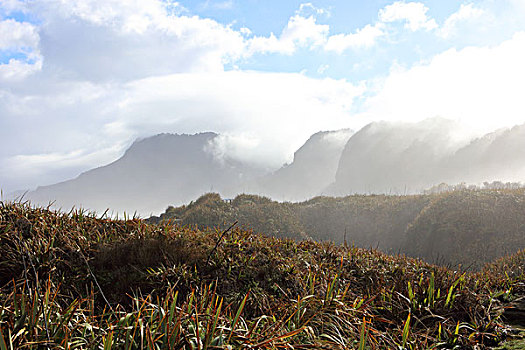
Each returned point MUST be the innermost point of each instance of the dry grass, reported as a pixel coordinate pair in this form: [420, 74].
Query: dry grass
[72, 281]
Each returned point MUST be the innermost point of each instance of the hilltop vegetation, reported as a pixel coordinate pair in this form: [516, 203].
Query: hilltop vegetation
[75, 281]
[468, 226]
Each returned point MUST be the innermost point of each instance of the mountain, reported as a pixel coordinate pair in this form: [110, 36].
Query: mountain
[312, 170]
[498, 156]
[152, 173]
[382, 157]
[386, 157]
[402, 158]
[174, 169]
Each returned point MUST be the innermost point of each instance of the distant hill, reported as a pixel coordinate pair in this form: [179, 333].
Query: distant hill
[172, 168]
[468, 227]
[312, 170]
[496, 156]
[153, 172]
[261, 214]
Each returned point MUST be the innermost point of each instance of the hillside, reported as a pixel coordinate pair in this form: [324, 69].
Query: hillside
[399, 158]
[259, 214]
[81, 282]
[469, 227]
[460, 225]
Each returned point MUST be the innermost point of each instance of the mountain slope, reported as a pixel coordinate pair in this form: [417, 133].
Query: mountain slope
[498, 156]
[153, 172]
[386, 157]
[468, 227]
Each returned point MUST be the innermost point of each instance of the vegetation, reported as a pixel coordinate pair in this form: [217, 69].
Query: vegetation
[464, 226]
[74, 281]
[252, 212]
[469, 227]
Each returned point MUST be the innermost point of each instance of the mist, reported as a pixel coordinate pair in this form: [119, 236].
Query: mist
[393, 158]
[407, 158]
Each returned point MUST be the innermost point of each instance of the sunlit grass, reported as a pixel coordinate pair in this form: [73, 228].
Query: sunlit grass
[72, 281]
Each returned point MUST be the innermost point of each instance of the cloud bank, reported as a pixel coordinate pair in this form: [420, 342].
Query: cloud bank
[80, 80]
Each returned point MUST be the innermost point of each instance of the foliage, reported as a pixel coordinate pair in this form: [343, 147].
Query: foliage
[73, 281]
[467, 227]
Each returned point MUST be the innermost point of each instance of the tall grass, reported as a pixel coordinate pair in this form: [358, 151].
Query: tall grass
[74, 281]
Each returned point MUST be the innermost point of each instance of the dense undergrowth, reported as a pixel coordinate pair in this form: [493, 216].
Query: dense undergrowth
[73, 281]
[470, 227]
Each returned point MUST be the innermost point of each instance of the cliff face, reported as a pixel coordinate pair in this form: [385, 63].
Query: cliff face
[312, 170]
[393, 157]
[405, 158]
[498, 156]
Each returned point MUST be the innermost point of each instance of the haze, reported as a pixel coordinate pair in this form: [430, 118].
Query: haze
[81, 81]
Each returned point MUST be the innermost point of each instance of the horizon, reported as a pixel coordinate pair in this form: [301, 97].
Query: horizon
[80, 81]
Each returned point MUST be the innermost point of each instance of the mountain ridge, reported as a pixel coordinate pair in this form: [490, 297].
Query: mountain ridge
[382, 157]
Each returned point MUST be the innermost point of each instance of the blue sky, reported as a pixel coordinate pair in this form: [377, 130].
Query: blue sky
[266, 17]
[81, 79]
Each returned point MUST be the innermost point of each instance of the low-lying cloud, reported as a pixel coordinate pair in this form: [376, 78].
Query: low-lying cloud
[478, 86]
[89, 77]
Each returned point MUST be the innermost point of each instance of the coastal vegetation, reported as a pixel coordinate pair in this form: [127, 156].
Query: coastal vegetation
[461, 226]
[77, 281]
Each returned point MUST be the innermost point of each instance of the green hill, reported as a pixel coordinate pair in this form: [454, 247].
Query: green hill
[468, 227]
[78, 282]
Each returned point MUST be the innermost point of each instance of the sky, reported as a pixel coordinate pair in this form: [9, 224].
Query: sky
[80, 80]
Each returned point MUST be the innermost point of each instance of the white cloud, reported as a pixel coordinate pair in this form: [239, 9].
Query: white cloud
[304, 30]
[8, 6]
[100, 73]
[299, 32]
[16, 35]
[19, 38]
[309, 8]
[479, 86]
[322, 68]
[18, 70]
[414, 13]
[244, 106]
[245, 31]
[466, 12]
[124, 40]
[131, 15]
[362, 38]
